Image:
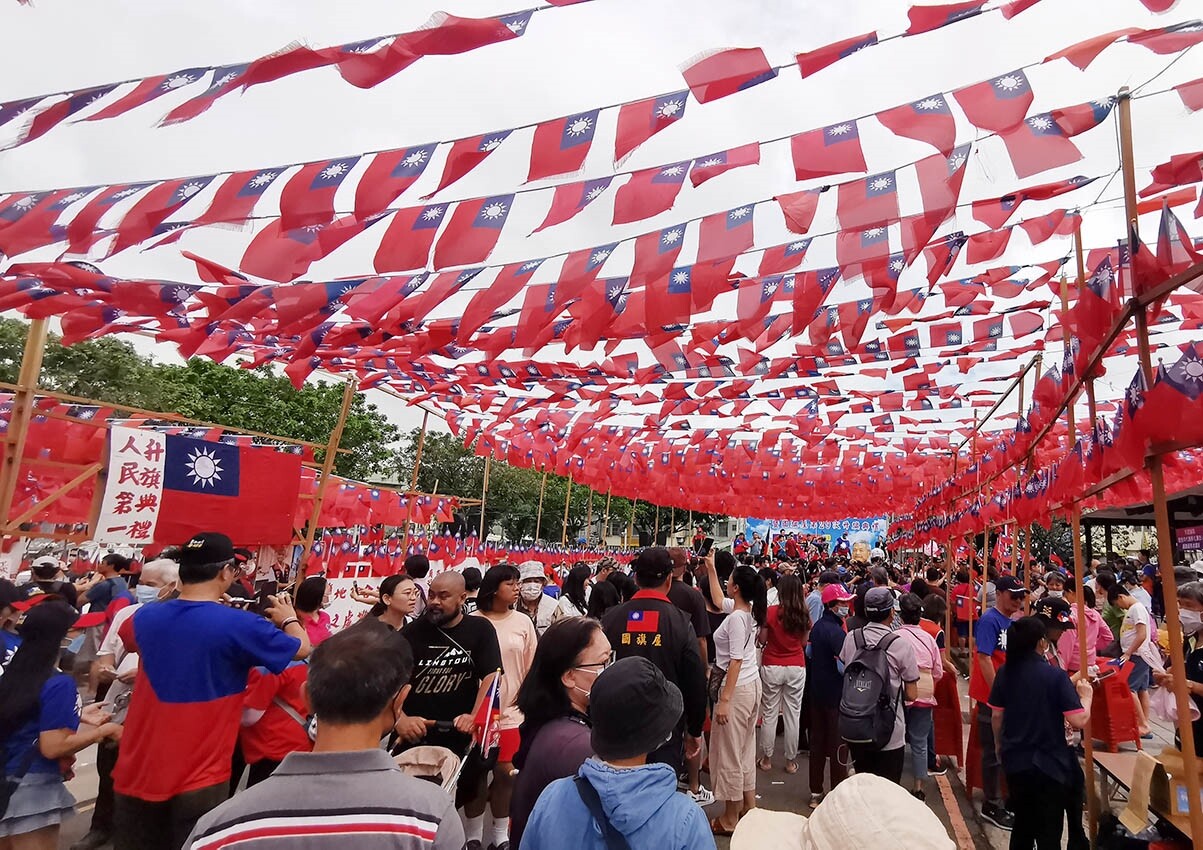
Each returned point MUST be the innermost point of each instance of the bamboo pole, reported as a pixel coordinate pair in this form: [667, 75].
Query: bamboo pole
[672, 525]
[656, 528]
[1075, 521]
[1165, 548]
[631, 524]
[484, 496]
[36, 509]
[606, 519]
[589, 520]
[539, 515]
[567, 502]
[413, 483]
[18, 423]
[327, 471]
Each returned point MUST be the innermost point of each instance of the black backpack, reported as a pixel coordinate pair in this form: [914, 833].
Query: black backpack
[867, 708]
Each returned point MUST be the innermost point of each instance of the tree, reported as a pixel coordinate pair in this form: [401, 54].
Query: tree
[109, 370]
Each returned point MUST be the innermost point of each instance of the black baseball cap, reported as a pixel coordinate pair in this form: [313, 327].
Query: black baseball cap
[208, 547]
[1054, 612]
[1009, 584]
[635, 709]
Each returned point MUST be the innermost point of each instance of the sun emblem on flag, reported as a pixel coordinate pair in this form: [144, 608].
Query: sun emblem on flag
[956, 161]
[741, 212]
[490, 144]
[880, 184]
[516, 26]
[204, 467]
[178, 294]
[671, 236]
[494, 210]
[432, 213]
[710, 163]
[874, 232]
[67, 199]
[190, 189]
[1040, 122]
[800, 245]
[930, 103]
[669, 108]
[416, 158]
[225, 80]
[263, 178]
[26, 203]
[176, 81]
[335, 169]
[839, 130]
[579, 126]
[595, 192]
[599, 257]
[531, 266]
[126, 192]
[1192, 370]
[673, 171]
[681, 277]
[1010, 82]
[897, 265]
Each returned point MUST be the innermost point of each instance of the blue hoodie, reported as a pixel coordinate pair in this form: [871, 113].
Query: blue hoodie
[641, 802]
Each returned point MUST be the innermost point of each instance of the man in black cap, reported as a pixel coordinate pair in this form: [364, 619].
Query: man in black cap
[650, 626]
[632, 800]
[185, 710]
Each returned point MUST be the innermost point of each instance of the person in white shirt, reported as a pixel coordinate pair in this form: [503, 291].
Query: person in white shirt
[1138, 643]
[574, 597]
[532, 601]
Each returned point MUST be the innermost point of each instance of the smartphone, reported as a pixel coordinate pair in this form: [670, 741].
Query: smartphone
[705, 547]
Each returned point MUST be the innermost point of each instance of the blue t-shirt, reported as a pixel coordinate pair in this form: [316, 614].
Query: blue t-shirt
[8, 645]
[101, 595]
[1035, 697]
[58, 708]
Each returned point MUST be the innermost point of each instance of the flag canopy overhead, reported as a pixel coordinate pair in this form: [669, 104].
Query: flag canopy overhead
[777, 277]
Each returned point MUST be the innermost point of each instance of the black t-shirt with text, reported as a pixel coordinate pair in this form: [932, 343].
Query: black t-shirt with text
[449, 665]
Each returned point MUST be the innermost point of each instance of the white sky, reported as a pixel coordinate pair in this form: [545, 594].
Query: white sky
[570, 60]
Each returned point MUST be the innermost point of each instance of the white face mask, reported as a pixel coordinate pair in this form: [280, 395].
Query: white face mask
[1192, 621]
[530, 592]
[145, 593]
[841, 611]
[1056, 594]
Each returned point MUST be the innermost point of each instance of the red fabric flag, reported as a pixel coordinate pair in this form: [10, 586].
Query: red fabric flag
[83, 230]
[1175, 249]
[639, 121]
[473, 231]
[656, 253]
[1057, 222]
[283, 255]
[446, 34]
[1181, 170]
[669, 299]
[25, 223]
[1038, 145]
[51, 117]
[799, 209]
[999, 104]
[247, 491]
[1013, 8]
[580, 269]
[388, 175]
[1080, 55]
[995, 212]
[377, 296]
[224, 80]
[465, 155]
[707, 167]
[569, 199]
[561, 145]
[717, 75]
[408, 239]
[926, 120]
[152, 209]
[147, 90]
[816, 60]
[811, 289]
[307, 304]
[726, 234]
[1025, 323]
[990, 245]
[854, 318]
[235, 199]
[709, 280]
[783, 258]
[869, 201]
[308, 196]
[755, 300]
[649, 192]
[1191, 94]
[1077, 119]
[928, 18]
[508, 283]
[854, 247]
[363, 67]
[1169, 40]
[827, 151]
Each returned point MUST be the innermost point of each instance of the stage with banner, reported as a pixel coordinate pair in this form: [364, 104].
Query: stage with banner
[852, 537]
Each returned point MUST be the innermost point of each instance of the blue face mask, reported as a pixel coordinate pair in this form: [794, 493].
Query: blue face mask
[144, 593]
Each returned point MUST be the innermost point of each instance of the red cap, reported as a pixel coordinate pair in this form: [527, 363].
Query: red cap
[85, 621]
[835, 593]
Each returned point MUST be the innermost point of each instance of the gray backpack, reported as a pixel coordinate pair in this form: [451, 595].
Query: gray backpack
[867, 708]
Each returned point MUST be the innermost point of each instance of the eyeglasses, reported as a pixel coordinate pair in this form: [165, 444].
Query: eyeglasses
[602, 664]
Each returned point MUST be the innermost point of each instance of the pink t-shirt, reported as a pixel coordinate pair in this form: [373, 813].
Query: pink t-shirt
[318, 628]
[927, 656]
[517, 638]
[1098, 636]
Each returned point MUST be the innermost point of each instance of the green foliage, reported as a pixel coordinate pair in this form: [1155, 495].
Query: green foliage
[112, 371]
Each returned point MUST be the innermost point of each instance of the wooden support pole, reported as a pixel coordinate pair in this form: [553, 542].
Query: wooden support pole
[567, 502]
[484, 496]
[539, 515]
[18, 423]
[631, 524]
[672, 525]
[413, 483]
[46, 502]
[656, 528]
[327, 470]
[589, 520]
[1165, 544]
[606, 518]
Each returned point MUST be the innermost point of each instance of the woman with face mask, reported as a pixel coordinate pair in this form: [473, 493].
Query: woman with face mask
[554, 700]
[1190, 612]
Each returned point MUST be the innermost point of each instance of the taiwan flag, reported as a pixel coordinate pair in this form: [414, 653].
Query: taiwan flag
[235, 199]
[726, 72]
[649, 192]
[926, 120]
[726, 234]
[646, 622]
[247, 492]
[1037, 145]
[561, 145]
[999, 104]
[308, 197]
[570, 198]
[388, 175]
[639, 121]
[827, 151]
[816, 60]
[473, 231]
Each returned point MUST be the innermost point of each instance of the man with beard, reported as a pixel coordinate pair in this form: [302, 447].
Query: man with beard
[455, 661]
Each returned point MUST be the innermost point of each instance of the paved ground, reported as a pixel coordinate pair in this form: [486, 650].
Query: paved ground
[775, 790]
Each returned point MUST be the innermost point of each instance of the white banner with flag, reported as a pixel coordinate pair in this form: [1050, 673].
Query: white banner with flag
[134, 489]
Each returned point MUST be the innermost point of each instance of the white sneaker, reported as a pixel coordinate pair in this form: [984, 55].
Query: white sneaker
[703, 796]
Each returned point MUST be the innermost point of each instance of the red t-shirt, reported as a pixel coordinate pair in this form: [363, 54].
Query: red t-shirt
[275, 735]
[783, 649]
[964, 602]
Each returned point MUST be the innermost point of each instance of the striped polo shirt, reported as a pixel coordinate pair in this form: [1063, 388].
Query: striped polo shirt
[350, 800]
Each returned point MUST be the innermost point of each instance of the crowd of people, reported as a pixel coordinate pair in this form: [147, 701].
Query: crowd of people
[578, 710]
